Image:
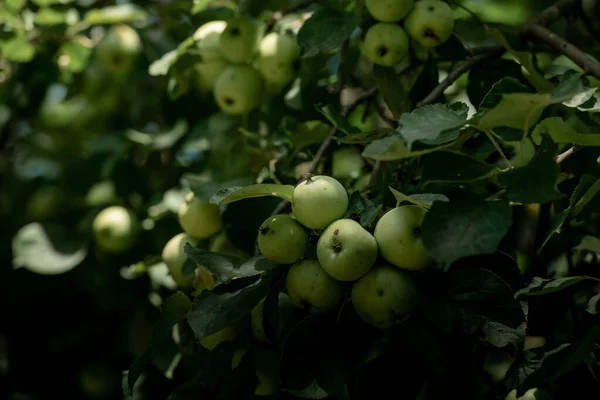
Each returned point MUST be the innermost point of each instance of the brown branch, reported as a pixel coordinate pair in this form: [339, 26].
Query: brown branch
[552, 13]
[457, 72]
[580, 58]
[373, 178]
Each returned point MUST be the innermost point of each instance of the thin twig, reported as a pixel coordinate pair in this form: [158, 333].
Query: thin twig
[567, 153]
[457, 72]
[580, 58]
[373, 178]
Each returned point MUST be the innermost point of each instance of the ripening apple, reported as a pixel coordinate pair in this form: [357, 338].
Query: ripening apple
[310, 287]
[199, 219]
[384, 296]
[398, 235]
[118, 49]
[385, 44]
[238, 90]
[346, 250]
[212, 62]
[239, 40]
[211, 341]
[318, 201]
[430, 23]
[115, 229]
[285, 307]
[174, 256]
[389, 10]
[347, 163]
[282, 239]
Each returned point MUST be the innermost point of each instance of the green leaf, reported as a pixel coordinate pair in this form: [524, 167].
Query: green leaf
[15, 5]
[18, 49]
[570, 86]
[160, 140]
[237, 193]
[500, 335]
[337, 119]
[308, 133]
[515, 110]
[173, 310]
[77, 55]
[593, 306]
[226, 304]
[503, 86]
[484, 76]
[363, 207]
[225, 268]
[49, 17]
[317, 35]
[47, 249]
[394, 148]
[426, 124]
[392, 89]
[589, 243]
[450, 166]
[465, 227]
[540, 286]
[424, 200]
[366, 137]
[561, 132]
[205, 188]
[535, 182]
[45, 3]
[119, 14]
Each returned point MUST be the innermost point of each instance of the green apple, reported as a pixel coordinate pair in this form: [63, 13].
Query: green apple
[384, 296]
[174, 256]
[311, 288]
[212, 62]
[239, 41]
[362, 120]
[118, 49]
[115, 229]
[199, 219]
[282, 239]
[430, 23]
[528, 395]
[346, 250]
[398, 235]
[318, 201]
[389, 10]
[238, 90]
[44, 203]
[281, 46]
[222, 245]
[211, 341]
[285, 307]
[347, 163]
[386, 44]
[101, 193]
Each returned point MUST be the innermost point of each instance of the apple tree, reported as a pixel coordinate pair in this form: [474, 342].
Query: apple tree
[303, 199]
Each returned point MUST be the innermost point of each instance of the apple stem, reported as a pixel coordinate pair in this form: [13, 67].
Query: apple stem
[308, 176]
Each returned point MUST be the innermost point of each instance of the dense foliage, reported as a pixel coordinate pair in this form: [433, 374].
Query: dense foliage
[226, 199]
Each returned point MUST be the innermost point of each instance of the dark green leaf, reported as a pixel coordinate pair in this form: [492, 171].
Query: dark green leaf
[336, 118]
[392, 89]
[236, 193]
[485, 75]
[308, 133]
[421, 199]
[47, 249]
[119, 14]
[562, 132]
[226, 304]
[465, 227]
[593, 306]
[225, 267]
[18, 49]
[589, 243]
[363, 207]
[204, 189]
[509, 134]
[503, 86]
[427, 123]
[540, 286]
[427, 81]
[366, 137]
[569, 86]
[535, 182]
[499, 335]
[173, 310]
[317, 35]
[449, 166]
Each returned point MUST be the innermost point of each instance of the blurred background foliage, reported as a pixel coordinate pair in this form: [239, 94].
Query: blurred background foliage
[76, 137]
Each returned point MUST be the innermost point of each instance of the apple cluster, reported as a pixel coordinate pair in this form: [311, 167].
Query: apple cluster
[239, 63]
[373, 266]
[427, 23]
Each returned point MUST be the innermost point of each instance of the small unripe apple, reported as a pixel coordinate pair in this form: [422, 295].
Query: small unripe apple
[282, 239]
[174, 256]
[389, 10]
[347, 163]
[311, 288]
[212, 62]
[385, 44]
[318, 201]
[199, 219]
[119, 48]
[430, 22]
[239, 40]
[115, 229]
[238, 90]
[277, 53]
